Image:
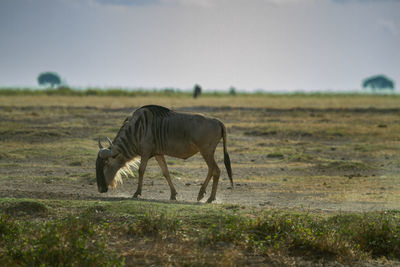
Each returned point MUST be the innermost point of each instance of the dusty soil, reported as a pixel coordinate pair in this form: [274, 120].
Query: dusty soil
[333, 159]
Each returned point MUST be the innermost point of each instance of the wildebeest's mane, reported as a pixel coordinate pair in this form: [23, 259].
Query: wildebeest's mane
[126, 121]
[158, 111]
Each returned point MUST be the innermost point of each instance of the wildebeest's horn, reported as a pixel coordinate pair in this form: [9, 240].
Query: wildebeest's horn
[100, 145]
[109, 141]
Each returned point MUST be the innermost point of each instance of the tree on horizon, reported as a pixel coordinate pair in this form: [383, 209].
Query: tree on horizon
[49, 78]
[378, 82]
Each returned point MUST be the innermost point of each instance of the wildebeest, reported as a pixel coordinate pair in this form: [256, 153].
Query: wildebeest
[155, 131]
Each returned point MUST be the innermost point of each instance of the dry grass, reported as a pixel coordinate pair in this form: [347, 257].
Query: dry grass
[314, 145]
[185, 100]
[298, 152]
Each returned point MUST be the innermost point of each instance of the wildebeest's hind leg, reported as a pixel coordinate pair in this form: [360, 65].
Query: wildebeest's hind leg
[142, 168]
[214, 171]
[202, 191]
[163, 165]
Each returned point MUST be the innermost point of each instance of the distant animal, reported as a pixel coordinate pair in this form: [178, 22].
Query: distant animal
[196, 91]
[155, 131]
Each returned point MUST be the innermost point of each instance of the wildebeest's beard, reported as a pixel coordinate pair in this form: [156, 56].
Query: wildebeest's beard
[101, 179]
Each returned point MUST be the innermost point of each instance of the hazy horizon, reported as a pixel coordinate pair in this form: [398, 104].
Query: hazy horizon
[285, 45]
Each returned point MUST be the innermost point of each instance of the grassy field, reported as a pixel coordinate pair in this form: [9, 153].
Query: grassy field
[114, 233]
[316, 182]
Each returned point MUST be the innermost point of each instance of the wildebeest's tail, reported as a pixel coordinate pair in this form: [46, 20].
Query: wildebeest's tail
[227, 160]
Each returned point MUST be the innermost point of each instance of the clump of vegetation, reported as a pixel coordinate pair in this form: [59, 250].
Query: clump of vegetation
[275, 155]
[92, 234]
[345, 165]
[73, 241]
[342, 237]
[160, 224]
[27, 207]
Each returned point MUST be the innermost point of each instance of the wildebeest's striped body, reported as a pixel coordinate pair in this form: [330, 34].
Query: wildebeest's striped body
[154, 131]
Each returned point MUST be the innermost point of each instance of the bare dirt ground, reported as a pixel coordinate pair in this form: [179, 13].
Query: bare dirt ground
[329, 159]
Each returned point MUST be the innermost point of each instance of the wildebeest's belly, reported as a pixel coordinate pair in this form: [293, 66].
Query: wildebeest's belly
[181, 150]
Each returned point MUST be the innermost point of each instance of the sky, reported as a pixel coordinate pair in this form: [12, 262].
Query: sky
[273, 45]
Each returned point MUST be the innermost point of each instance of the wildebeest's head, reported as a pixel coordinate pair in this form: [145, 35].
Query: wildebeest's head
[107, 166]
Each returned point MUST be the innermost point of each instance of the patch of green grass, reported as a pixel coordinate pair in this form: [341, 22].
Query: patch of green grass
[71, 241]
[154, 223]
[275, 155]
[344, 237]
[301, 157]
[345, 165]
[80, 232]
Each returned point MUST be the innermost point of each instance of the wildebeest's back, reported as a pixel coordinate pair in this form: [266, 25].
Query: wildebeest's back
[162, 131]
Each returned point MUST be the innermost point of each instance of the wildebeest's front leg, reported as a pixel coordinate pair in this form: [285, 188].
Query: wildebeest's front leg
[163, 165]
[142, 168]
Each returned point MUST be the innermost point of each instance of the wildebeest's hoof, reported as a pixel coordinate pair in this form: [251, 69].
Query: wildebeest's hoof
[210, 200]
[201, 194]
